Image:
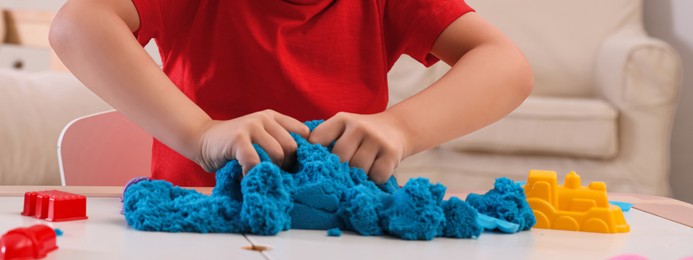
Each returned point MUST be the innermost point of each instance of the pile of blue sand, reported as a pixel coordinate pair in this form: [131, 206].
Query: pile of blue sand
[506, 201]
[318, 193]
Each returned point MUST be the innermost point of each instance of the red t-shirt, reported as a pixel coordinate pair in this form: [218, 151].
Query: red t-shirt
[308, 59]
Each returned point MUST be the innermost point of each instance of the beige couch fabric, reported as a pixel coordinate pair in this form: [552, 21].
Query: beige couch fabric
[561, 38]
[34, 108]
[603, 101]
[550, 126]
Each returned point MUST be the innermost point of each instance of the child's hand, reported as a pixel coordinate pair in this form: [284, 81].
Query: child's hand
[223, 141]
[375, 143]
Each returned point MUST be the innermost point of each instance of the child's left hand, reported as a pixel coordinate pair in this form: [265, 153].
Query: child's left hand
[375, 143]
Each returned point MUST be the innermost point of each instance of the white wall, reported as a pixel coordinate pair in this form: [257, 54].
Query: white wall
[49, 5]
[672, 21]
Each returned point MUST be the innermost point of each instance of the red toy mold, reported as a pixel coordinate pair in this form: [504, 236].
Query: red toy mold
[27, 243]
[54, 205]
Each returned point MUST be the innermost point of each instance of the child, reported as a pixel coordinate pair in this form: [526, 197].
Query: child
[239, 72]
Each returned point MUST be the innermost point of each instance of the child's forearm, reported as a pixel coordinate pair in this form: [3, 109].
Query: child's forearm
[489, 81]
[94, 40]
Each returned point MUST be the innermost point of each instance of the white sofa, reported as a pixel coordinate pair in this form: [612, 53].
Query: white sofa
[602, 105]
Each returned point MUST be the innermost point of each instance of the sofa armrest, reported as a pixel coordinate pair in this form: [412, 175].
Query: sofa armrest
[641, 77]
[34, 108]
[634, 70]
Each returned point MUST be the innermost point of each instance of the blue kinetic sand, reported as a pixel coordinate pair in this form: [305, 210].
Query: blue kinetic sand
[625, 206]
[506, 201]
[334, 232]
[318, 193]
[490, 223]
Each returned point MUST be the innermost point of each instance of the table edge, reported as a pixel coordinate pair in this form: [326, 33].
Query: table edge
[664, 207]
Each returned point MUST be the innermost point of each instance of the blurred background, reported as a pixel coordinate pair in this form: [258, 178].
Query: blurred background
[30, 73]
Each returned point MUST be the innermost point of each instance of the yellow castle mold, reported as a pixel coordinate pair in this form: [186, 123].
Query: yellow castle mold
[572, 206]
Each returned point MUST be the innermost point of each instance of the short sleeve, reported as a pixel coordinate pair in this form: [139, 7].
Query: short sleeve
[413, 26]
[161, 18]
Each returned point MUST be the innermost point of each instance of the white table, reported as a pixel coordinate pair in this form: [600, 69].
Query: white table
[105, 235]
[650, 236]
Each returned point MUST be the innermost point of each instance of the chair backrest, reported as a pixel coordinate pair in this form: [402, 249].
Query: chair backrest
[104, 149]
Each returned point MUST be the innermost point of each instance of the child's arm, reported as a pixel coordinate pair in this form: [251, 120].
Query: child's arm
[489, 78]
[94, 39]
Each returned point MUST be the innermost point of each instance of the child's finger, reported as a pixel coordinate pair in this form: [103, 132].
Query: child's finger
[347, 144]
[382, 169]
[287, 143]
[291, 124]
[328, 131]
[365, 156]
[268, 143]
[246, 155]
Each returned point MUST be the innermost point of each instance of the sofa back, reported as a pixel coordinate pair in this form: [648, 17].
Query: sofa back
[561, 38]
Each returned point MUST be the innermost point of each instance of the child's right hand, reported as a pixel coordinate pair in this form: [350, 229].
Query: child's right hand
[223, 141]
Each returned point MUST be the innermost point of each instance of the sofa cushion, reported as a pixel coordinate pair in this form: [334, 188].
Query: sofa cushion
[34, 108]
[561, 39]
[551, 126]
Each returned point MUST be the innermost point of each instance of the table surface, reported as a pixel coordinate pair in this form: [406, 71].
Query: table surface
[106, 235]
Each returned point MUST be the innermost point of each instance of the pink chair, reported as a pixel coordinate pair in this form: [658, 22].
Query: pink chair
[103, 149]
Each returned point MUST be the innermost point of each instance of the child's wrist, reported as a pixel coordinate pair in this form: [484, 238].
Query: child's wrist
[195, 142]
[405, 133]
